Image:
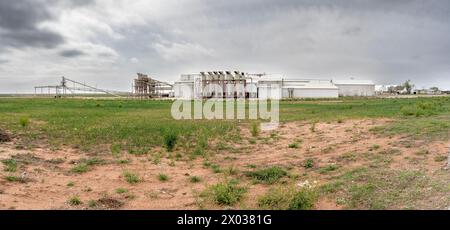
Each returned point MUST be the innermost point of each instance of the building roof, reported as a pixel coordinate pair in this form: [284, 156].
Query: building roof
[353, 82]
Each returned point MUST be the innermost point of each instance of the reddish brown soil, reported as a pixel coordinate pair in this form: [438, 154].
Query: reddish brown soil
[346, 144]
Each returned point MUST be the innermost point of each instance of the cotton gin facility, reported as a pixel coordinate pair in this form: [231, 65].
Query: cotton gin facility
[227, 84]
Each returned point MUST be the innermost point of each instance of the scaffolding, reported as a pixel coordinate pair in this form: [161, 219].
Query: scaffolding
[147, 87]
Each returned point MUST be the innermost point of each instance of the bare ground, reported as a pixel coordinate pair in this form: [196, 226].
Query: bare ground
[48, 183]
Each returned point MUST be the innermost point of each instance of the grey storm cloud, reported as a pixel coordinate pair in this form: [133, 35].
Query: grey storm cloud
[385, 41]
[19, 25]
[71, 53]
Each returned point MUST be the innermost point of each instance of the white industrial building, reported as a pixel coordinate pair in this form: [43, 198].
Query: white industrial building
[355, 88]
[226, 84]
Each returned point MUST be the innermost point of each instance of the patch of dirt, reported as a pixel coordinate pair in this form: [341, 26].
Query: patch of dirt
[109, 203]
[4, 137]
[347, 145]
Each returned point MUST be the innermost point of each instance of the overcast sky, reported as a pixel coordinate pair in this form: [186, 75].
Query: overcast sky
[106, 42]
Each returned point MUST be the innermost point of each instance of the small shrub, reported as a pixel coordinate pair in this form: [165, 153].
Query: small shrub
[123, 161]
[194, 179]
[12, 178]
[349, 156]
[92, 203]
[440, 158]
[92, 161]
[268, 175]
[156, 158]
[10, 165]
[216, 168]
[374, 147]
[309, 163]
[221, 145]
[313, 127]
[74, 201]
[231, 171]
[328, 168]
[254, 129]
[163, 177]
[227, 193]
[55, 161]
[198, 152]
[115, 149]
[422, 152]
[131, 178]
[70, 184]
[121, 190]
[303, 200]
[288, 198]
[207, 164]
[170, 140]
[293, 145]
[24, 121]
[80, 168]
[203, 141]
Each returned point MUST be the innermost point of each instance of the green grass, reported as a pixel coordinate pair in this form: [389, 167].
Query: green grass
[121, 190]
[327, 169]
[170, 140]
[92, 203]
[288, 198]
[14, 179]
[83, 124]
[268, 175]
[139, 126]
[216, 168]
[226, 193]
[10, 165]
[80, 168]
[309, 163]
[440, 158]
[254, 129]
[24, 121]
[379, 188]
[194, 179]
[74, 201]
[163, 177]
[85, 165]
[131, 178]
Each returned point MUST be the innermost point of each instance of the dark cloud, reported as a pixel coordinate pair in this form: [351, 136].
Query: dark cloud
[71, 3]
[384, 40]
[19, 21]
[71, 53]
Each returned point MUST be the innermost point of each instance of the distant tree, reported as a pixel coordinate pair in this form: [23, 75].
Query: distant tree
[434, 89]
[391, 89]
[408, 85]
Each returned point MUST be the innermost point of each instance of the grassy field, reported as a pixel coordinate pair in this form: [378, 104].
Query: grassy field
[139, 125]
[361, 161]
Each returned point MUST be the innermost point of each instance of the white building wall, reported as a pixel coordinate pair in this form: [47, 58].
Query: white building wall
[311, 93]
[272, 92]
[356, 90]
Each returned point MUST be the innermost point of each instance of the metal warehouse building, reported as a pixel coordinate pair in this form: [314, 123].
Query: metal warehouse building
[227, 84]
